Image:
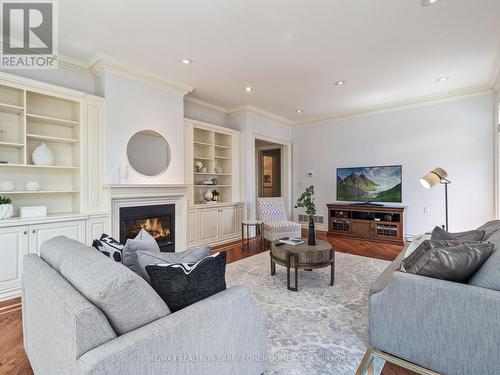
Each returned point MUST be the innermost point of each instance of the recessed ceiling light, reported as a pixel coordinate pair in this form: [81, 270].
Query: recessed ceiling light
[187, 61]
[340, 83]
[443, 79]
[248, 89]
[298, 110]
[428, 3]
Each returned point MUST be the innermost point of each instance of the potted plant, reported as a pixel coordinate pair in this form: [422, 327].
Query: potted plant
[216, 195]
[306, 200]
[6, 208]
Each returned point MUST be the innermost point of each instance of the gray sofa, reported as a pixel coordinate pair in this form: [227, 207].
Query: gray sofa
[86, 314]
[444, 326]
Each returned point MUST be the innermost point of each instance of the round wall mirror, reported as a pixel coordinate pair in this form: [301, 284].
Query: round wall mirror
[148, 153]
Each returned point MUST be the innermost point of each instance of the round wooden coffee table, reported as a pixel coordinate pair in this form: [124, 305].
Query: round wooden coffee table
[303, 256]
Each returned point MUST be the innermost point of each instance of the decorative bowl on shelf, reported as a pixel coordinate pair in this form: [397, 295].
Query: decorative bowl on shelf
[33, 186]
[7, 186]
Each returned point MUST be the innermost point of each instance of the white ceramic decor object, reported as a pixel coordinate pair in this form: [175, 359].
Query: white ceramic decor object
[42, 155]
[6, 211]
[33, 186]
[7, 186]
[208, 196]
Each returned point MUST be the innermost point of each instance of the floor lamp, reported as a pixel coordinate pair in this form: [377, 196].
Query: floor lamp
[434, 177]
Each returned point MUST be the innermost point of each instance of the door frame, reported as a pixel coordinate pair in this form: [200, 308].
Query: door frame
[286, 171]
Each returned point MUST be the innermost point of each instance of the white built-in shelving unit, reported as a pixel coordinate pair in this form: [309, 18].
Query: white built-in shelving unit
[218, 149]
[71, 124]
[214, 149]
[27, 119]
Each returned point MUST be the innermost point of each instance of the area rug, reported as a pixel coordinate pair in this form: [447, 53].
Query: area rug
[320, 329]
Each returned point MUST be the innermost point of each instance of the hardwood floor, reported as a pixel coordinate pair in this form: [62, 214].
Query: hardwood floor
[13, 359]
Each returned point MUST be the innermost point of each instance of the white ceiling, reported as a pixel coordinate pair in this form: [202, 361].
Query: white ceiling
[291, 51]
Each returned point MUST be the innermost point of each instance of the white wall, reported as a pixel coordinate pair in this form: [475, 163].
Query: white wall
[457, 135]
[132, 106]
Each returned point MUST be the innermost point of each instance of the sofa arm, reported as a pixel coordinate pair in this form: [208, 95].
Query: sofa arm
[223, 334]
[448, 327]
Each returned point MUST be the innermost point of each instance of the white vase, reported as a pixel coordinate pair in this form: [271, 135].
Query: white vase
[6, 211]
[42, 155]
[208, 195]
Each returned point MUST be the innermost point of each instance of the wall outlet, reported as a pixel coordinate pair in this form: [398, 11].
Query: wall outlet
[426, 210]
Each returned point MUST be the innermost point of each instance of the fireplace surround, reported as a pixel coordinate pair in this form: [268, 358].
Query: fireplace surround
[157, 220]
[151, 195]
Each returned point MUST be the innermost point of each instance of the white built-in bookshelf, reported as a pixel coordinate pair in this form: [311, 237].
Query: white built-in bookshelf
[214, 150]
[27, 119]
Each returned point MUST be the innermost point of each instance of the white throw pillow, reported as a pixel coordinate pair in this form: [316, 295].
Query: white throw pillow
[143, 241]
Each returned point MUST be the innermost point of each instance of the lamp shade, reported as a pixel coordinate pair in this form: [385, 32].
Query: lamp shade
[433, 178]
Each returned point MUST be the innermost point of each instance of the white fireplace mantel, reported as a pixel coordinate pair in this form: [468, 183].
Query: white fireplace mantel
[133, 195]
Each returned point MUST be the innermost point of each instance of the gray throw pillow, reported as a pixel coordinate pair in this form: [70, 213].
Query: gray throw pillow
[143, 241]
[145, 258]
[439, 234]
[447, 260]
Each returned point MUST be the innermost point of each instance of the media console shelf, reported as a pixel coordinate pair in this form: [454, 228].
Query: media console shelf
[367, 222]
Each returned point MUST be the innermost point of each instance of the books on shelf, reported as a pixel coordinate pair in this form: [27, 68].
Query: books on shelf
[291, 241]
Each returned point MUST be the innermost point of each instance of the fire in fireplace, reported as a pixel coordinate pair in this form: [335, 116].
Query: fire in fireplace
[157, 220]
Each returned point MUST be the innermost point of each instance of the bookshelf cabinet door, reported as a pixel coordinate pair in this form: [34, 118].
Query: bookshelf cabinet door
[14, 242]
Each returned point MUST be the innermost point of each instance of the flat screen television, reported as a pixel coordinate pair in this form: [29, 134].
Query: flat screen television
[370, 184]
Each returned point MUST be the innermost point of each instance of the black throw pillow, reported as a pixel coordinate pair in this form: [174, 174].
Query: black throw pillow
[447, 260]
[439, 234]
[110, 247]
[182, 284]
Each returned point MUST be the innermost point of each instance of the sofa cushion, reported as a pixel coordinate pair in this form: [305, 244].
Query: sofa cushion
[182, 284]
[488, 276]
[439, 234]
[145, 258]
[53, 251]
[490, 228]
[447, 260]
[143, 241]
[126, 299]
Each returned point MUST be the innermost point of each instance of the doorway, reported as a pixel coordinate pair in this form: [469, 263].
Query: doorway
[269, 173]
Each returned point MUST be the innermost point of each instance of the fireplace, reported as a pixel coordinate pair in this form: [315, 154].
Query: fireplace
[157, 220]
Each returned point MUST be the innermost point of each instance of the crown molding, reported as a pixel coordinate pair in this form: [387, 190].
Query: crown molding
[261, 112]
[206, 105]
[415, 101]
[74, 66]
[104, 64]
